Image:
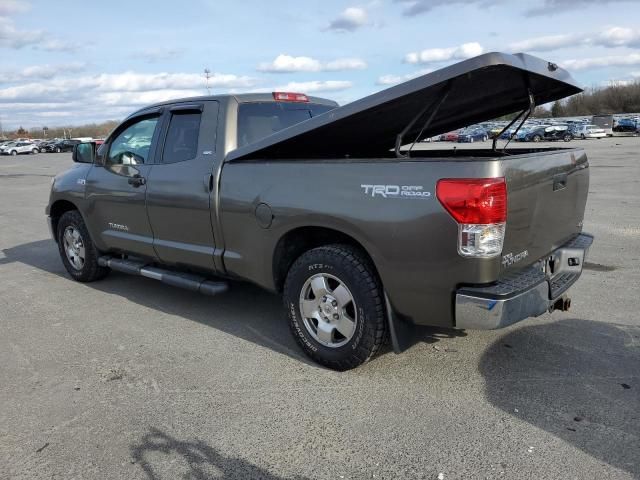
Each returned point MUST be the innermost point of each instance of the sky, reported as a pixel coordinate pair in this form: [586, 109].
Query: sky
[67, 62]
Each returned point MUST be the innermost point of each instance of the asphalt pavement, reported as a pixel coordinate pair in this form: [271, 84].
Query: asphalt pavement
[128, 378]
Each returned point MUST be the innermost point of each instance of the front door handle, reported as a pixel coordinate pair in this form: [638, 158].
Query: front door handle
[137, 181]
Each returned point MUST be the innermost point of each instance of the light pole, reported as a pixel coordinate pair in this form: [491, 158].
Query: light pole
[207, 76]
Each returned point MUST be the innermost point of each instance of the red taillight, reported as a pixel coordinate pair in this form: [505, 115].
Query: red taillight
[290, 97]
[474, 200]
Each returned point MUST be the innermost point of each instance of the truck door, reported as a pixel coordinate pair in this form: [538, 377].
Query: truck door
[116, 187]
[180, 186]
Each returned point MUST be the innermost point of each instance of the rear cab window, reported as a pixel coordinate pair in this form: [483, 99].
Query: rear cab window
[257, 120]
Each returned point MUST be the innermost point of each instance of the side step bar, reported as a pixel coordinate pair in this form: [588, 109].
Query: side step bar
[188, 281]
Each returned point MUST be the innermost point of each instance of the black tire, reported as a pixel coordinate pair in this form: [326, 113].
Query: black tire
[58, 150]
[90, 270]
[355, 271]
[14, 153]
[567, 138]
[34, 151]
[537, 138]
[583, 137]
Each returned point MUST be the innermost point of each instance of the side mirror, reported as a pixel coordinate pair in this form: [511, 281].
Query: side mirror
[84, 152]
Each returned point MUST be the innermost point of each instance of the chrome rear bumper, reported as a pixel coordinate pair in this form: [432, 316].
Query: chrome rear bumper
[528, 293]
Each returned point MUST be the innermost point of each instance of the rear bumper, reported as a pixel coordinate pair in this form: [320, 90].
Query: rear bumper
[527, 293]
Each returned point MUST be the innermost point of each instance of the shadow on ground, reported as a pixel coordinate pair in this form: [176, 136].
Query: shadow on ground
[193, 459]
[577, 379]
[245, 311]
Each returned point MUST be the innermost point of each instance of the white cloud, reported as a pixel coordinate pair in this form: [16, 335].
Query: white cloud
[12, 37]
[430, 55]
[551, 7]
[545, 7]
[631, 59]
[316, 86]
[417, 7]
[618, 37]
[126, 88]
[16, 38]
[395, 79]
[288, 64]
[9, 7]
[610, 37]
[40, 92]
[349, 20]
[40, 72]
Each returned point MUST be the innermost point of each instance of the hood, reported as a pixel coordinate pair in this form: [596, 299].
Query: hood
[475, 90]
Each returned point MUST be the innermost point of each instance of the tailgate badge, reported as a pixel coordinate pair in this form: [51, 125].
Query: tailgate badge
[509, 259]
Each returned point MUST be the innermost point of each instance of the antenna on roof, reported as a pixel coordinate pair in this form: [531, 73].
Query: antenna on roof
[207, 76]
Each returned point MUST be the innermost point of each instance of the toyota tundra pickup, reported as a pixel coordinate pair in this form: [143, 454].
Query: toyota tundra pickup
[334, 208]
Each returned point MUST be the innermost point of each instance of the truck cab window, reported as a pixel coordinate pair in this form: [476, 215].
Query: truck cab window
[181, 143]
[257, 120]
[132, 145]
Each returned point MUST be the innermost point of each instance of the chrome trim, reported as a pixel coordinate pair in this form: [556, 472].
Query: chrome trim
[479, 313]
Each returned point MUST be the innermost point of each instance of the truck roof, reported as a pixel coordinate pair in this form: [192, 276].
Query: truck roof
[238, 97]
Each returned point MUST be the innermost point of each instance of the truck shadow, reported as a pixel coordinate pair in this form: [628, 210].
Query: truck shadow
[576, 379]
[158, 452]
[245, 311]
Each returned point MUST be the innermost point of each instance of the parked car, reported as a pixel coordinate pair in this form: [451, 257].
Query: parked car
[588, 131]
[472, 135]
[19, 148]
[549, 134]
[449, 136]
[502, 242]
[625, 125]
[62, 146]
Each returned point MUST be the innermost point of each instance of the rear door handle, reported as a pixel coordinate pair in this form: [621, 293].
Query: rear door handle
[560, 181]
[137, 181]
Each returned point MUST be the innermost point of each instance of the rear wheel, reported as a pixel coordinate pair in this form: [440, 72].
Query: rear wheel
[34, 151]
[567, 138]
[334, 301]
[583, 137]
[77, 251]
[58, 150]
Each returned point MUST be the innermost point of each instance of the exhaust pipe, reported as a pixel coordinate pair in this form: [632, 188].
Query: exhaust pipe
[563, 304]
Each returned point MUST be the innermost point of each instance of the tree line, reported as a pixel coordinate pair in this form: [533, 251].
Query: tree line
[93, 130]
[616, 98]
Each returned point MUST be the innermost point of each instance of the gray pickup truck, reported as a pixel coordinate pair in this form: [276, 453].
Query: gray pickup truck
[333, 207]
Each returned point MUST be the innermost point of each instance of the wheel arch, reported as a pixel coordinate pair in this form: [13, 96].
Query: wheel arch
[299, 240]
[59, 208]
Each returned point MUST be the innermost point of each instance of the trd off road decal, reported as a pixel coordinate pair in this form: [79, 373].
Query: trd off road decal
[396, 191]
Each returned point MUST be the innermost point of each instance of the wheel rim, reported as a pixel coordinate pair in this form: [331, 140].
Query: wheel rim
[328, 310]
[74, 247]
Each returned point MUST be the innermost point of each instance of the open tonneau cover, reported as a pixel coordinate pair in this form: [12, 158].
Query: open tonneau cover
[475, 90]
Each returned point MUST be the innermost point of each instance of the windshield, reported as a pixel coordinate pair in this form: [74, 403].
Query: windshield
[259, 120]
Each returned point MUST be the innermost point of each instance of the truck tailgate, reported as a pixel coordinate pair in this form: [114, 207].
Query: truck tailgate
[547, 195]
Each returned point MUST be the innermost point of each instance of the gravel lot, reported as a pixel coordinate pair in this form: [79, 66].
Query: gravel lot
[128, 378]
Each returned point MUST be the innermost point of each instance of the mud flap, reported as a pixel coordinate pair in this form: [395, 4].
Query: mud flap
[401, 332]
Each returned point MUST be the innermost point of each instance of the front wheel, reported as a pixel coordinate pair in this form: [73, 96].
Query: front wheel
[78, 253]
[567, 138]
[334, 301]
[537, 138]
[14, 153]
[34, 151]
[58, 150]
